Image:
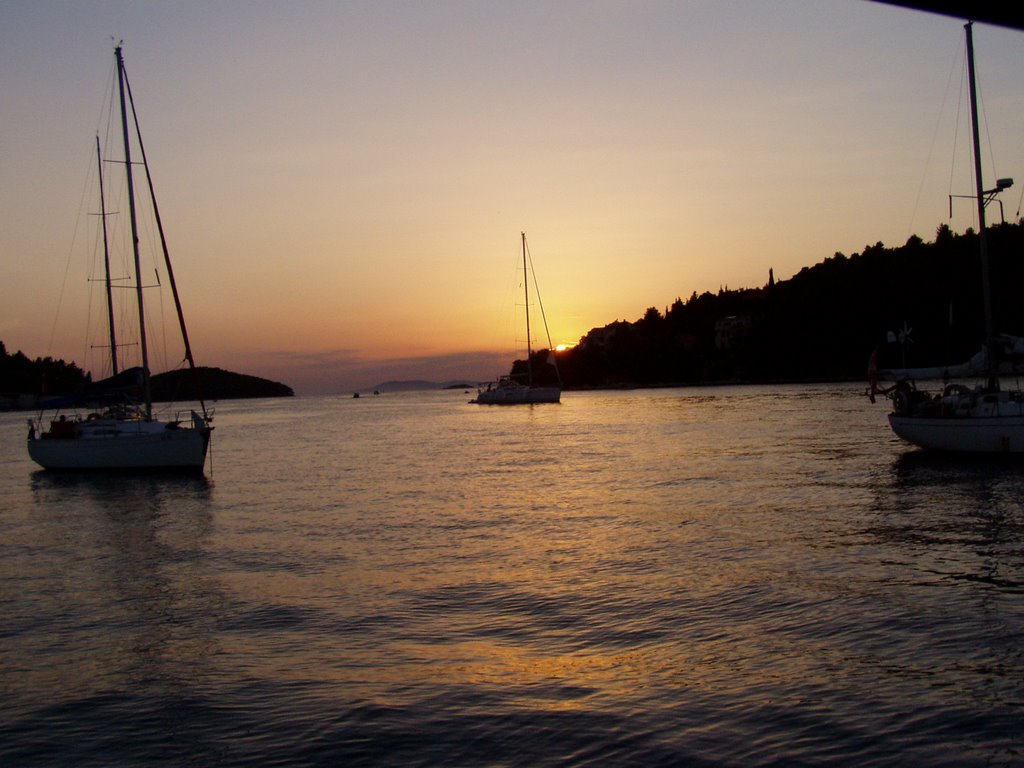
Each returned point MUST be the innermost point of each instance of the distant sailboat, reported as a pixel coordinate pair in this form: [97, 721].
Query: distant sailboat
[509, 391]
[981, 419]
[120, 431]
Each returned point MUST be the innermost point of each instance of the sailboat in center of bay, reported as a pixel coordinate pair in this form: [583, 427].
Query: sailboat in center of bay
[118, 430]
[986, 418]
[524, 390]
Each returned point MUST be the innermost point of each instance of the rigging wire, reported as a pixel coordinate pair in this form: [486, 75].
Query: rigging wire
[988, 146]
[119, 247]
[956, 132]
[90, 197]
[955, 64]
[988, 132]
[506, 322]
[536, 290]
[547, 331]
[79, 218]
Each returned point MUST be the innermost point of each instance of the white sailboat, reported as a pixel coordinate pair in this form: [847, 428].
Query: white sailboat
[982, 419]
[120, 431]
[510, 391]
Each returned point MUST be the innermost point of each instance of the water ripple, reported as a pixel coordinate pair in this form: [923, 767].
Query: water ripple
[731, 576]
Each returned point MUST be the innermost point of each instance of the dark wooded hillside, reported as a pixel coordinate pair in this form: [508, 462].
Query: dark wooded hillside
[822, 324]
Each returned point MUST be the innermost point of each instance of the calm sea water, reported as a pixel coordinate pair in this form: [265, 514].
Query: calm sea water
[706, 577]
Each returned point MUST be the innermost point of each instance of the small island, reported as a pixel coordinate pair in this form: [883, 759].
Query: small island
[24, 381]
[213, 384]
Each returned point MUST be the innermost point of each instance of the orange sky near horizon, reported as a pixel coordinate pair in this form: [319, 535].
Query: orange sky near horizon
[343, 185]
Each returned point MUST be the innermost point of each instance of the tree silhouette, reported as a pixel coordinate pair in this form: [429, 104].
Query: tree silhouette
[821, 324]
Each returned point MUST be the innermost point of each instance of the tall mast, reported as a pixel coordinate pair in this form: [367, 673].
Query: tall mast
[106, 264]
[163, 245]
[993, 379]
[526, 294]
[135, 238]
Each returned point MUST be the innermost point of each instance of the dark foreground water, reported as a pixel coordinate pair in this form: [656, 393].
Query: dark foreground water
[715, 577]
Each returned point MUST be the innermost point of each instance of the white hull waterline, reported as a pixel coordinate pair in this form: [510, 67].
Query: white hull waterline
[982, 422]
[114, 444]
[999, 434]
[513, 393]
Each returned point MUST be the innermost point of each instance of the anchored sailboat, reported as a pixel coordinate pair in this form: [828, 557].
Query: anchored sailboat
[510, 391]
[982, 419]
[120, 431]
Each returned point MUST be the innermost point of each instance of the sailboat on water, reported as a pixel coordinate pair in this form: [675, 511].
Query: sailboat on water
[985, 418]
[118, 430]
[509, 390]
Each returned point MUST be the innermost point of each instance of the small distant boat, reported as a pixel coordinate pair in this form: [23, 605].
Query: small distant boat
[510, 391]
[981, 419]
[120, 431]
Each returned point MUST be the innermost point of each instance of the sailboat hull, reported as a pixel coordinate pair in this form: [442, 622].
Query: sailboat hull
[143, 449]
[995, 434]
[519, 395]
